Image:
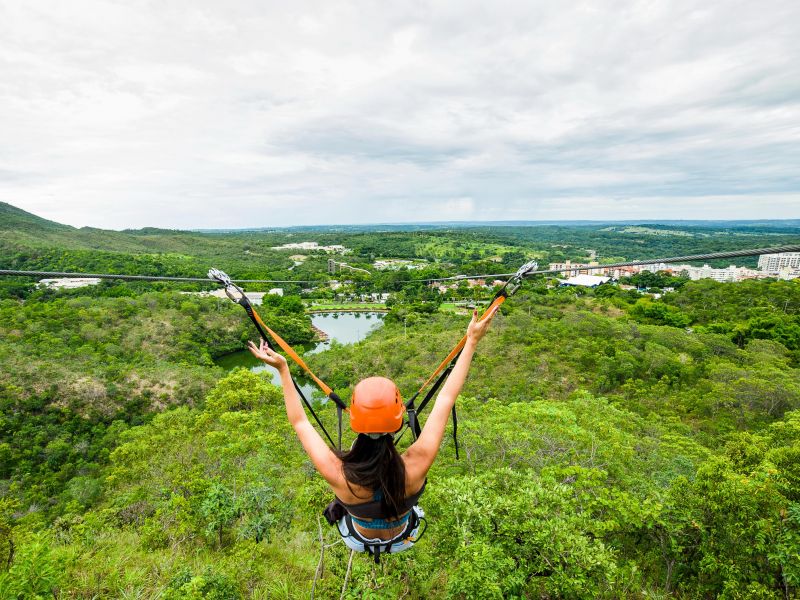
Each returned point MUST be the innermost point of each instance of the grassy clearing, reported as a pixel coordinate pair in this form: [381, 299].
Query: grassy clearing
[346, 306]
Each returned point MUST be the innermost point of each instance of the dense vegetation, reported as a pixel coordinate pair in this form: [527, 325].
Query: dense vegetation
[612, 445]
[77, 370]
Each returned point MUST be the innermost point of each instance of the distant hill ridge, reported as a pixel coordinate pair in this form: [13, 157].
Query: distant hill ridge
[12, 217]
[29, 242]
[22, 231]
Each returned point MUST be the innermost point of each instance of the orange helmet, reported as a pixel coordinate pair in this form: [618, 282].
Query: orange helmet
[376, 406]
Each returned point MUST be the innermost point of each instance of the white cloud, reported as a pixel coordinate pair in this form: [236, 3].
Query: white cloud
[202, 114]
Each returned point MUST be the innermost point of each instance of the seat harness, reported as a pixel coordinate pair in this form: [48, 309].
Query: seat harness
[338, 509]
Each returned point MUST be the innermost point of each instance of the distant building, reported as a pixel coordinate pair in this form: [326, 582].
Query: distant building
[69, 283]
[775, 263]
[336, 249]
[276, 292]
[617, 272]
[567, 268]
[396, 263]
[585, 280]
[726, 274]
[443, 287]
[570, 269]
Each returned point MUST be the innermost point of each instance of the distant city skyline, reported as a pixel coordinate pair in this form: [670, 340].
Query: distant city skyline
[202, 115]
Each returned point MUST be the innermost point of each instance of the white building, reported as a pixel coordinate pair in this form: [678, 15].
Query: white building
[585, 280]
[570, 269]
[69, 283]
[776, 263]
[336, 249]
[727, 274]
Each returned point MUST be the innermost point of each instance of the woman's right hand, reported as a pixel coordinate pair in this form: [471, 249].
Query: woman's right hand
[267, 354]
[478, 328]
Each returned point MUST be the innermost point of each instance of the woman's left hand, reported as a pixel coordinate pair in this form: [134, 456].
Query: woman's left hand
[267, 354]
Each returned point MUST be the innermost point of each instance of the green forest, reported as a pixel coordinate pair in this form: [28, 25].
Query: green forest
[612, 444]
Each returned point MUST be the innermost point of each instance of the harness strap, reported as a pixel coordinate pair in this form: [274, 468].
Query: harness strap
[296, 358]
[384, 546]
[499, 298]
[339, 419]
[263, 330]
[431, 393]
[413, 421]
[455, 429]
[443, 370]
[510, 286]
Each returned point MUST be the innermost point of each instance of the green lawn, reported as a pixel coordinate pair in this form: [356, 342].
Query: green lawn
[346, 306]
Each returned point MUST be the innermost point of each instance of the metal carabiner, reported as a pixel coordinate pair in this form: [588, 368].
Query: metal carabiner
[529, 266]
[222, 278]
[516, 281]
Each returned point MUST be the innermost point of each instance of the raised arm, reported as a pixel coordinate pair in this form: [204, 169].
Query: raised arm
[326, 462]
[420, 455]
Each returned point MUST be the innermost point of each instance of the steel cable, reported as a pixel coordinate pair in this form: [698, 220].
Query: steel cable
[54, 274]
[634, 263]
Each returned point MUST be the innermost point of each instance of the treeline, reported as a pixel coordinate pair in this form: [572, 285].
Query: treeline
[30, 243]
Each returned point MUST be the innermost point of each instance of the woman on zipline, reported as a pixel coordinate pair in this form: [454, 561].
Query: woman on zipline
[376, 487]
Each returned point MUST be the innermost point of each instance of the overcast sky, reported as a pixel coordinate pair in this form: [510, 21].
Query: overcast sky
[238, 114]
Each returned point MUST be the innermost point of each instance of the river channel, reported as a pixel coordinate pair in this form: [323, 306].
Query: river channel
[344, 327]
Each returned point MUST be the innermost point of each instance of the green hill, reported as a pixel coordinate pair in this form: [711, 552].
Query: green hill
[29, 242]
[16, 219]
[612, 445]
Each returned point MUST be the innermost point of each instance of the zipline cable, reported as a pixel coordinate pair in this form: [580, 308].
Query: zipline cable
[634, 263]
[138, 277]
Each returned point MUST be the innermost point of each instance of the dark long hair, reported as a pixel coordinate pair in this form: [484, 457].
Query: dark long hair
[375, 464]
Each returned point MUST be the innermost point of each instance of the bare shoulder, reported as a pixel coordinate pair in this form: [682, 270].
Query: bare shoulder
[351, 494]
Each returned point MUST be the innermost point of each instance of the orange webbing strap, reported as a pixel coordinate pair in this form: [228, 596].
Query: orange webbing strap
[294, 356]
[460, 345]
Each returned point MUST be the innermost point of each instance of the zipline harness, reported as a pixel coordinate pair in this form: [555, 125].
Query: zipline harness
[237, 295]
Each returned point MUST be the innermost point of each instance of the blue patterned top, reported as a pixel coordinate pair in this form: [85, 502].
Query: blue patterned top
[380, 523]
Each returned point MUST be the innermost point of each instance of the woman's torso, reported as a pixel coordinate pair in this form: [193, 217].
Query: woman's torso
[356, 494]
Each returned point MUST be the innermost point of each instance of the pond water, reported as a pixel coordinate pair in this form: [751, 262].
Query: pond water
[344, 327]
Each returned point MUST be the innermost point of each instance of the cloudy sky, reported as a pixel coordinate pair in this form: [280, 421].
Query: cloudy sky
[256, 113]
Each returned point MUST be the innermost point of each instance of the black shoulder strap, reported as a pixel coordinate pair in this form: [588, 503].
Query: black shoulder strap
[413, 412]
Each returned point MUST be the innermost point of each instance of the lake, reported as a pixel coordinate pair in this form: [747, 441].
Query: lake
[344, 327]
